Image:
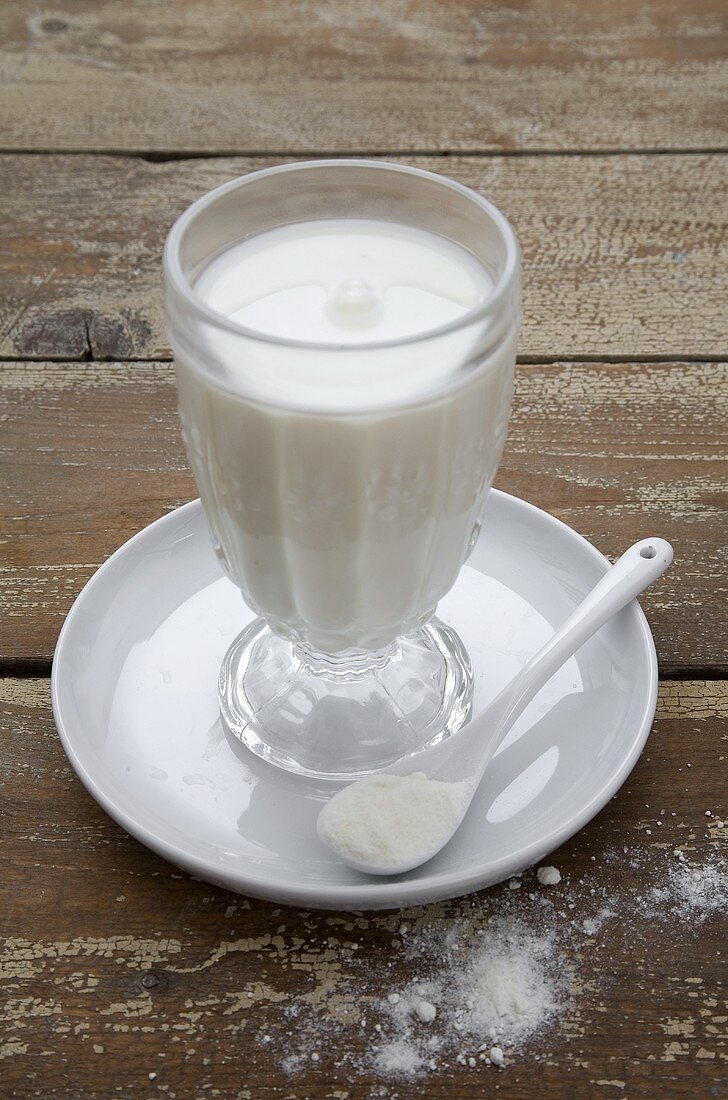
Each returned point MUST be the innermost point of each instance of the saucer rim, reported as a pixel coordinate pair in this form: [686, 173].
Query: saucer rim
[369, 894]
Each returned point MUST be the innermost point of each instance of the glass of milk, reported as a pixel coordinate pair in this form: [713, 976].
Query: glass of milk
[344, 333]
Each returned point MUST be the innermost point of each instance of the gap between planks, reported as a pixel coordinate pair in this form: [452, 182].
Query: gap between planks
[521, 360]
[29, 668]
[161, 157]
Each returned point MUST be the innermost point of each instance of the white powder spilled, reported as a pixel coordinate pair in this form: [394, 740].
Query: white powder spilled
[493, 978]
[513, 986]
[497, 984]
[392, 821]
[399, 1058]
[426, 1011]
[692, 893]
[702, 890]
[593, 925]
[549, 876]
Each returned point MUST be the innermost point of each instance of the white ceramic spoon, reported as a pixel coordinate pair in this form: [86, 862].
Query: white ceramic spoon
[392, 821]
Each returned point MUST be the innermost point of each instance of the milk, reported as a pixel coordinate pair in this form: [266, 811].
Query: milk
[347, 281]
[342, 462]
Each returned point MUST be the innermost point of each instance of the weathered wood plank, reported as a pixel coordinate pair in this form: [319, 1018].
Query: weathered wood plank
[121, 975]
[623, 256]
[92, 453]
[209, 75]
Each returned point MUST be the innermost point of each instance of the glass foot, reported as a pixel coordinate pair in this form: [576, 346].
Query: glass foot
[343, 716]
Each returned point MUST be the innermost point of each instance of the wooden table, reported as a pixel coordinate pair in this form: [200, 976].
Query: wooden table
[598, 128]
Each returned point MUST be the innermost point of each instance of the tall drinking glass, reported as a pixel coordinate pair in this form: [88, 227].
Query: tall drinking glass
[344, 333]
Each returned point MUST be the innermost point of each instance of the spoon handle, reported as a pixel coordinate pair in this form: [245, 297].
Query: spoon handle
[637, 568]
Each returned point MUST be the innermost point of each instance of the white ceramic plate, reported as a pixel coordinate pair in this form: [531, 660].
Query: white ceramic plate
[135, 700]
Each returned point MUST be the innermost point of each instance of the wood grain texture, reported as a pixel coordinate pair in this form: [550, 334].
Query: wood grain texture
[93, 453]
[119, 975]
[115, 966]
[386, 75]
[622, 257]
